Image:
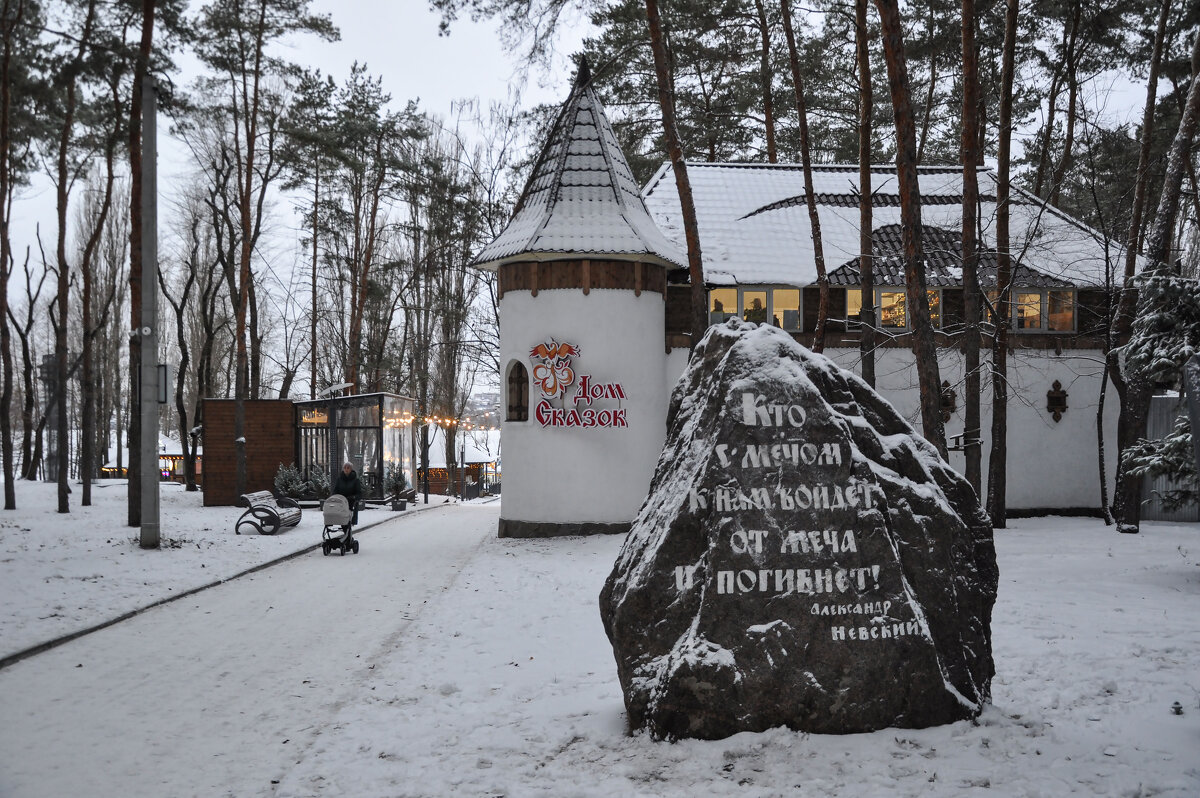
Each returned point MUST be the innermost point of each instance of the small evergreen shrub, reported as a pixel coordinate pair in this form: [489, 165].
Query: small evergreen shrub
[396, 481]
[320, 483]
[290, 482]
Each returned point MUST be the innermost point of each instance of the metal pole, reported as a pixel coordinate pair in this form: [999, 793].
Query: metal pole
[148, 379]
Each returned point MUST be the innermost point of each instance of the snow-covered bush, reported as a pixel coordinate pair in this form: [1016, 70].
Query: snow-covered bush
[320, 483]
[1172, 457]
[1166, 331]
[290, 482]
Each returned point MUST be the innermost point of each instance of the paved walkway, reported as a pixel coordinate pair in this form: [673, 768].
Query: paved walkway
[219, 693]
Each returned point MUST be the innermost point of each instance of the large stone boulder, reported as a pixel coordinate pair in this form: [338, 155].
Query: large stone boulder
[803, 559]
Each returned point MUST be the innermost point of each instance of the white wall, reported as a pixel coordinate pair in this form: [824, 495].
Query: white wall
[596, 475]
[1050, 464]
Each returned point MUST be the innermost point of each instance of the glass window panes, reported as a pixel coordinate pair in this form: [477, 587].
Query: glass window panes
[935, 307]
[853, 303]
[1060, 313]
[1029, 310]
[353, 412]
[785, 307]
[722, 303]
[754, 305]
[891, 309]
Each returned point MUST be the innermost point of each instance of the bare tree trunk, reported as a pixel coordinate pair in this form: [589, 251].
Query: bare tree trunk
[312, 357]
[24, 331]
[87, 449]
[814, 220]
[1039, 180]
[691, 229]
[767, 79]
[998, 460]
[1139, 386]
[1105, 509]
[11, 16]
[246, 229]
[1122, 318]
[970, 247]
[929, 95]
[1064, 163]
[63, 179]
[254, 342]
[866, 264]
[1143, 172]
[924, 348]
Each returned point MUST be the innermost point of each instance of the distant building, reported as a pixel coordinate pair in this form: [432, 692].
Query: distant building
[594, 316]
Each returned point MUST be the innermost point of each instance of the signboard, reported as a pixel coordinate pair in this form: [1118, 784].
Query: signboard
[570, 402]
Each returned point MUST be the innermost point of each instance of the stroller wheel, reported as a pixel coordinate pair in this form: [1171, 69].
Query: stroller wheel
[354, 546]
[325, 549]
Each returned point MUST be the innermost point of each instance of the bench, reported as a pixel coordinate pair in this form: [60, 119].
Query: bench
[267, 514]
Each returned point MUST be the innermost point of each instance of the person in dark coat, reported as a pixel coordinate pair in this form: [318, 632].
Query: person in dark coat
[347, 484]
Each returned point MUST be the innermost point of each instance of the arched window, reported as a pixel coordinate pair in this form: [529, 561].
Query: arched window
[518, 393]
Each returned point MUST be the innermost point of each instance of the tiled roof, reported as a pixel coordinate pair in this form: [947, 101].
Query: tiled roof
[581, 197]
[943, 262]
[754, 226]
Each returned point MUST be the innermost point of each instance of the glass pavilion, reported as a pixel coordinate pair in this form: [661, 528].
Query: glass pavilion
[373, 432]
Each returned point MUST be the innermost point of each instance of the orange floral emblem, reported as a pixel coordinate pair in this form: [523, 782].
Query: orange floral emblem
[552, 367]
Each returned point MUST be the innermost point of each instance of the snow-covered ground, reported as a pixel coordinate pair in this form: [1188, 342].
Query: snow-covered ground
[499, 680]
[63, 572]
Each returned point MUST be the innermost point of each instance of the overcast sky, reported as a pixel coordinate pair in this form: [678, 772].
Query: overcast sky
[398, 41]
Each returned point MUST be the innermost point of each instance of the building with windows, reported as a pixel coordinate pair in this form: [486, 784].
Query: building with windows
[594, 315]
[759, 263]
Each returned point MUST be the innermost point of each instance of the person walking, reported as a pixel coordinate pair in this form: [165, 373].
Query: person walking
[348, 484]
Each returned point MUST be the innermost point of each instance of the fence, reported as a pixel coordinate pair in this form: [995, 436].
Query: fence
[1160, 421]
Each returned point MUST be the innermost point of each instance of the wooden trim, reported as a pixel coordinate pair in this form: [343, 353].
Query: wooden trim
[902, 339]
[585, 274]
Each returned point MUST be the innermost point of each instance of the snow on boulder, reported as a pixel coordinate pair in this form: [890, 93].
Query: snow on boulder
[803, 559]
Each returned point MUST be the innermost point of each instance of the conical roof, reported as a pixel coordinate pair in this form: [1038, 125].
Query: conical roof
[581, 198]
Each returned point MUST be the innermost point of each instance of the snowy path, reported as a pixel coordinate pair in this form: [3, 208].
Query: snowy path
[221, 692]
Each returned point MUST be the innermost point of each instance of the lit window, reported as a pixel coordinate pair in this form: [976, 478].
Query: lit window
[1060, 311]
[891, 309]
[853, 303]
[785, 306]
[935, 307]
[1029, 311]
[754, 306]
[722, 303]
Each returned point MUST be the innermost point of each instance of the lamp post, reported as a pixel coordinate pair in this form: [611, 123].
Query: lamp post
[462, 466]
[148, 379]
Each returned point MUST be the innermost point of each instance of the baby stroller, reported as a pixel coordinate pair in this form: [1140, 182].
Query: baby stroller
[339, 526]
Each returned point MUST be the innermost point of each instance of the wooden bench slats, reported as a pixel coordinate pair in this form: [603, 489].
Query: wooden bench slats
[266, 514]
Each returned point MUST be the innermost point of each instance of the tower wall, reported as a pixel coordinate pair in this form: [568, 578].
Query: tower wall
[578, 466]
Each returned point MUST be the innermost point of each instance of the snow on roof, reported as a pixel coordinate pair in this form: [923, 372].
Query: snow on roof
[943, 262]
[754, 227]
[581, 196]
[167, 445]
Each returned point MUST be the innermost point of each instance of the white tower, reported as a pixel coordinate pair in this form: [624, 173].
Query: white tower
[582, 283]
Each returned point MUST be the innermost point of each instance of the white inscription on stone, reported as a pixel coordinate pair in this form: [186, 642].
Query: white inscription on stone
[757, 413]
[683, 577]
